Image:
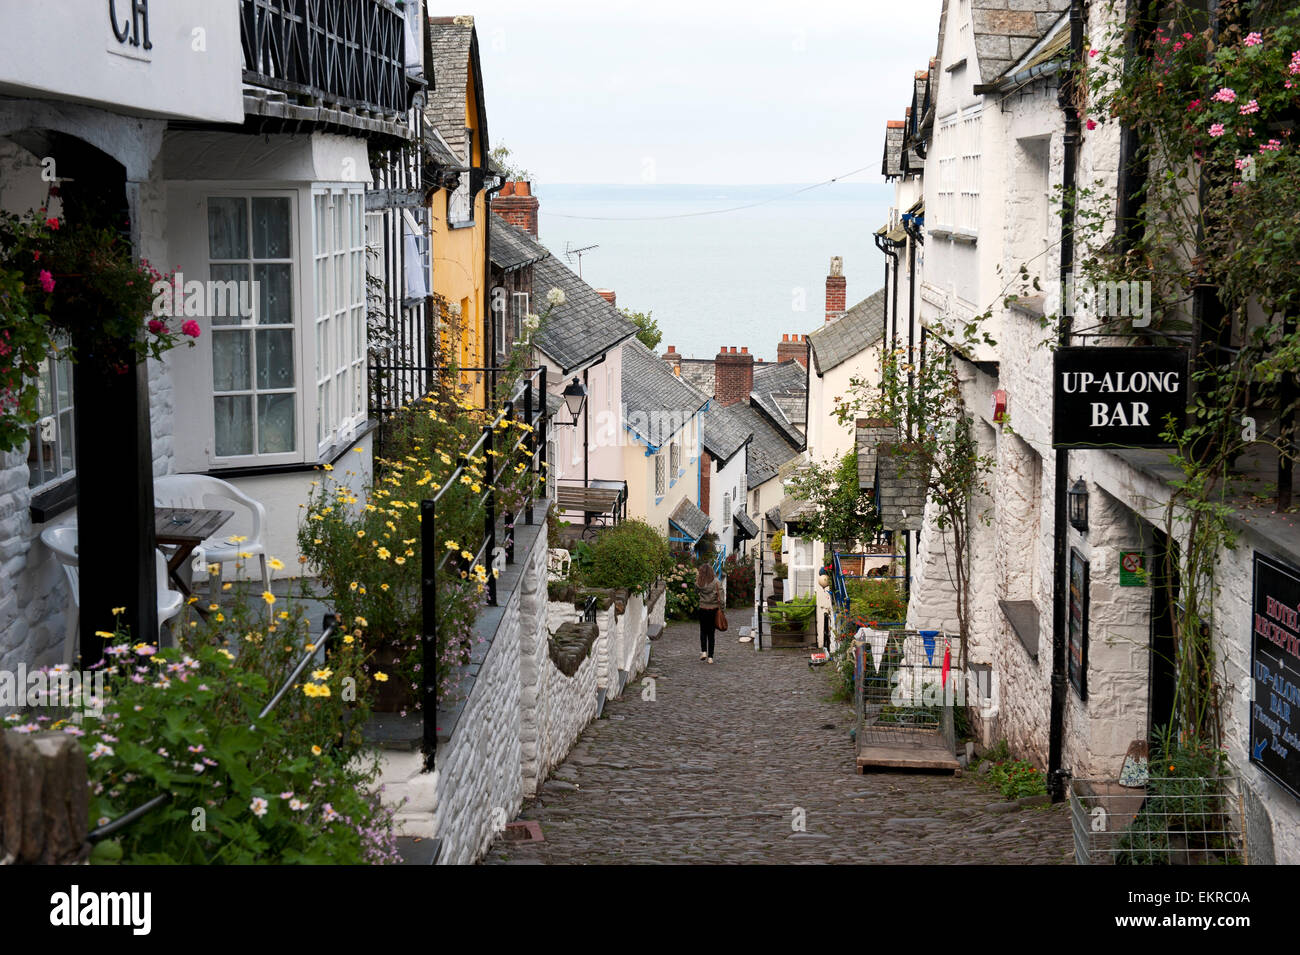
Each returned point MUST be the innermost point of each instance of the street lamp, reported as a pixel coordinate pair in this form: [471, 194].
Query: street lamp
[575, 396]
[1077, 503]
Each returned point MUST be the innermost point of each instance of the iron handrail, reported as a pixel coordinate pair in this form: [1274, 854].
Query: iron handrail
[100, 833]
[530, 392]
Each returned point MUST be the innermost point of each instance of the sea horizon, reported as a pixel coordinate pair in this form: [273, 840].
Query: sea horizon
[714, 275]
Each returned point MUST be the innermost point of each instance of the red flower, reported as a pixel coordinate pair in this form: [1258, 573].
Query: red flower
[53, 224]
[190, 328]
[157, 326]
[1092, 124]
[46, 280]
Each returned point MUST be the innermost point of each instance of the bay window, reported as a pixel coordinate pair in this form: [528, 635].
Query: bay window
[254, 375]
[339, 261]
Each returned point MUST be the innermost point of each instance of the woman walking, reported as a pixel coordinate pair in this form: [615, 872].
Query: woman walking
[710, 591]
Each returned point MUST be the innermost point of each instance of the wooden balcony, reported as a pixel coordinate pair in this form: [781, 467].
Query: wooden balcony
[342, 60]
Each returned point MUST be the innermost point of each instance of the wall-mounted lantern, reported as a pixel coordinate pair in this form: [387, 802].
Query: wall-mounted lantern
[1077, 505]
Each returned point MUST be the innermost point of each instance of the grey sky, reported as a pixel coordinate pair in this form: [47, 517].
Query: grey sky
[702, 92]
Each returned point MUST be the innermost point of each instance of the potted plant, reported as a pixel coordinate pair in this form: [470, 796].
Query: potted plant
[792, 617]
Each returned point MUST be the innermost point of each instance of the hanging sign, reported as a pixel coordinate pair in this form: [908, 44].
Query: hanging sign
[1275, 673]
[1116, 397]
[1132, 568]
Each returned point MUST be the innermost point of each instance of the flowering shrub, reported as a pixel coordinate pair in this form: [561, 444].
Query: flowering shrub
[71, 290]
[683, 599]
[740, 581]
[364, 543]
[289, 787]
[631, 556]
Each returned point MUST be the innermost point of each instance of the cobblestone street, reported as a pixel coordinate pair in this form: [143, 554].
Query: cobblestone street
[715, 767]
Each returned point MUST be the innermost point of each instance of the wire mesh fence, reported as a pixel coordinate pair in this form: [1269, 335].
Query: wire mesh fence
[1168, 821]
[904, 687]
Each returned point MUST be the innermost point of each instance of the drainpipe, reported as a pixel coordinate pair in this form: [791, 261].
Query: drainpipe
[489, 327]
[885, 245]
[1055, 773]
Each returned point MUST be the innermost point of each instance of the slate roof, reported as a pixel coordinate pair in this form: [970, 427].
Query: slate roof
[656, 403]
[584, 327]
[851, 334]
[1003, 31]
[900, 498]
[439, 152]
[512, 247]
[700, 373]
[451, 42]
[744, 524]
[722, 431]
[790, 510]
[692, 521]
[770, 448]
[781, 391]
[892, 165]
[869, 434]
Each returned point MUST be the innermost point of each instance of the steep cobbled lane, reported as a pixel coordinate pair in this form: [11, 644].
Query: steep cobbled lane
[718, 767]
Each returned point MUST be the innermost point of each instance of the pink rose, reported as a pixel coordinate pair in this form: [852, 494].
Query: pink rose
[1092, 124]
[190, 328]
[157, 326]
[46, 280]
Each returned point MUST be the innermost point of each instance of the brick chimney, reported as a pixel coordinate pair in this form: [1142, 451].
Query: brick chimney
[674, 359]
[607, 294]
[835, 289]
[733, 376]
[793, 346]
[517, 205]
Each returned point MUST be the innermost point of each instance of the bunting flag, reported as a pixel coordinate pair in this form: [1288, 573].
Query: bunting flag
[947, 662]
[927, 637]
[877, 639]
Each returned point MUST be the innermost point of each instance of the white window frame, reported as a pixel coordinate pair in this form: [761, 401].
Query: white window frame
[58, 419]
[339, 311]
[661, 485]
[459, 211]
[520, 302]
[298, 233]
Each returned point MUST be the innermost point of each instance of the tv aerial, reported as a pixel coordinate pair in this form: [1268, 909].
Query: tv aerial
[570, 252]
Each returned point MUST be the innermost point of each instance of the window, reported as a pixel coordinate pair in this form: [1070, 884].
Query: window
[338, 230]
[659, 475]
[674, 460]
[254, 377]
[726, 508]
[518, 312]
[957, 148]
[50, 454]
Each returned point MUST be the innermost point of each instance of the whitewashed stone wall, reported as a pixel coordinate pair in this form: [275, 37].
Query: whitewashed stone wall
[521, 718]
[34, 597]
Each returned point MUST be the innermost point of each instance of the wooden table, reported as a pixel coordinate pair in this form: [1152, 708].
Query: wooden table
[185, 528]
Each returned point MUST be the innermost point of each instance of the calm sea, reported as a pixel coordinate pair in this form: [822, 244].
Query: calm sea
[738, 278]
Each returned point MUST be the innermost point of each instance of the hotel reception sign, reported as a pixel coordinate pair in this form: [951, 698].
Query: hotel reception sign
[1275, 672]
[1116, 397]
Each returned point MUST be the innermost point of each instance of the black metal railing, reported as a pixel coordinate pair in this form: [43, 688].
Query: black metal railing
[342, 53]
[526, 405]
[121, 822]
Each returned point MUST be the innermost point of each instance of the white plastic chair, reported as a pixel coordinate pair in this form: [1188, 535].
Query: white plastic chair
[62, 542]
[202, 491]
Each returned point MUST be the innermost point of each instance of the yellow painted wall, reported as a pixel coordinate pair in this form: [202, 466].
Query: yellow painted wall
[458, 279]
[458, 270]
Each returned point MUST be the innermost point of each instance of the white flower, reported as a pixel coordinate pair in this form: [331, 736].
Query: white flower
[555, 296]
[101, 750]
[297, 805]
[258, 806]
[531, 322]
